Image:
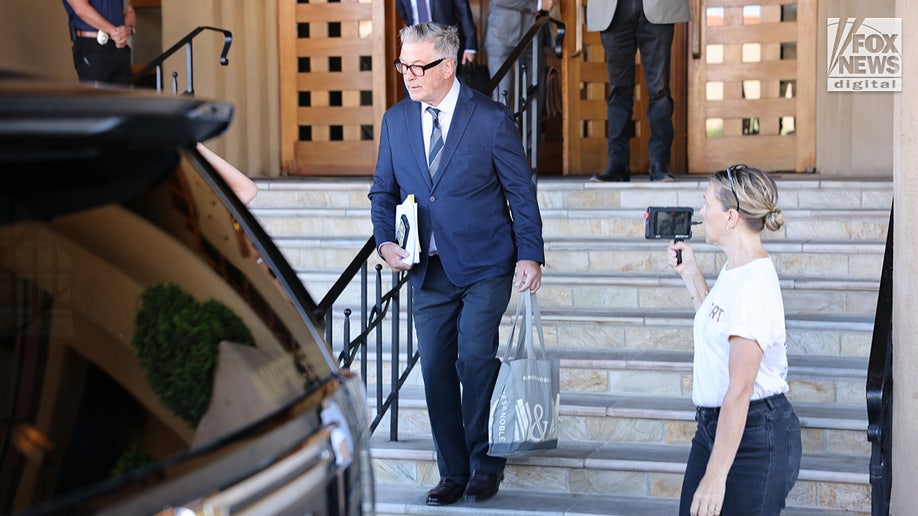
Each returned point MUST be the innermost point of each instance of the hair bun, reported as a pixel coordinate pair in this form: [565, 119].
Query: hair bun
[775, 219]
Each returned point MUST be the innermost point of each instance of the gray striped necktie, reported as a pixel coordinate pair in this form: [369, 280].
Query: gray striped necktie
[436, 142]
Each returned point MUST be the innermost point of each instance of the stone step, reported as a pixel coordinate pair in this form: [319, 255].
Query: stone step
[795, 192]
[855, 224]
[829, 379]
[812, 378]
[828, 427]
[857, 260]
[647, 471]
[668, 330]
[651, 291]
[398, 499]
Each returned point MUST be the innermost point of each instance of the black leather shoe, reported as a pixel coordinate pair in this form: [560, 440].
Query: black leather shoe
[659, 172]
[446, 492]
[614, 174]
[483, 486]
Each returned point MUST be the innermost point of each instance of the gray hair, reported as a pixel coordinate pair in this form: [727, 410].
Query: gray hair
[757, 194]
[444, 37]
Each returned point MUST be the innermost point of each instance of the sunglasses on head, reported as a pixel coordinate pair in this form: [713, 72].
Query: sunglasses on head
[731, 171]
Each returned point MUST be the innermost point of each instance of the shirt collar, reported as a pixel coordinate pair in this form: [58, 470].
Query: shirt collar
[448, 104]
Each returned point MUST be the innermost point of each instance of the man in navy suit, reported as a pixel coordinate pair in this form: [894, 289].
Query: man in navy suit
[457, 13]
[468, 173]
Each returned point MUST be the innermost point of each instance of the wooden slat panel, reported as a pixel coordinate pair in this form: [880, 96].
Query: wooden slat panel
[333, 47]
[740, 3]
[340, 34]
[286, 51]
[324, 115]
[356, 153]
[806, 85]
[333, 81]
[778, 151]
[745, 108]
[332, 12]
[767, 149]
[760, 33]
[763, 70]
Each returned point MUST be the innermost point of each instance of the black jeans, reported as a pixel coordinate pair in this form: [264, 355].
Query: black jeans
[629, 31]
[766, 464]
[102, 63]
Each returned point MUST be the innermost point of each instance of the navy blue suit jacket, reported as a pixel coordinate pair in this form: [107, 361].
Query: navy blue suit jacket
[447, 12]
[484, 177]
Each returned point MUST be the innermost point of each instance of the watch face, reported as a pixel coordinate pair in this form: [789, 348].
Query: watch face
[102, 37]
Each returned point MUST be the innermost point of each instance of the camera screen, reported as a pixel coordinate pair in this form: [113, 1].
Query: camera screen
[669, 223]
[673, 223]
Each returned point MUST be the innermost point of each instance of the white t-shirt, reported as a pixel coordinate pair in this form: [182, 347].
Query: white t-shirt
[746, 302]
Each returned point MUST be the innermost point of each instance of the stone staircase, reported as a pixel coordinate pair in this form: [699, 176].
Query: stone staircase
[619, 319]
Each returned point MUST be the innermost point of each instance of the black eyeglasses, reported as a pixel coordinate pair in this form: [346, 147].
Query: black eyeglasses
[730, 171]
[416, 70]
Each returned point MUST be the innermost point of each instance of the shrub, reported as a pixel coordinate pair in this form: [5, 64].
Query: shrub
[132, 458]
[176, 340]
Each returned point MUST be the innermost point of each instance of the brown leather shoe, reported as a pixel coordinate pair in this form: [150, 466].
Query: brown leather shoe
[483, 485]
[446, 492]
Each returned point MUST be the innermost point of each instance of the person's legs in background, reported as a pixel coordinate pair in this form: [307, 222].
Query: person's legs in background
[655, 44]
[620, 45]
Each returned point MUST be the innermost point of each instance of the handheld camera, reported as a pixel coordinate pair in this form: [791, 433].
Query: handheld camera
[671, 223]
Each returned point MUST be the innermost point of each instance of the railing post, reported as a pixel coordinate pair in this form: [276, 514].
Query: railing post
[379, 341]
[189, 68]
[345, 327]
[363, 323]
[394, 360]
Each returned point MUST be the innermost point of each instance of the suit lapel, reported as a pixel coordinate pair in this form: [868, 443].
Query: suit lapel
[416, 138]
[457, 127]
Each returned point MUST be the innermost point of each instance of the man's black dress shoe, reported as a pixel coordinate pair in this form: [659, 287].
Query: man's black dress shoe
[615, 174]
[659, 172]
[446, 492]
[483, 486]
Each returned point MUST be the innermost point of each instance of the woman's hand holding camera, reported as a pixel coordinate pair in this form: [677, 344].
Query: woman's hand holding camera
[681, 256]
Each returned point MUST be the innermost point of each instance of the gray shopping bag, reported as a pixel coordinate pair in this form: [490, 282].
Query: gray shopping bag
[527, 394]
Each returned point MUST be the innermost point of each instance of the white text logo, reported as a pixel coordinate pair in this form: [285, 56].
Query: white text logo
[864, 54]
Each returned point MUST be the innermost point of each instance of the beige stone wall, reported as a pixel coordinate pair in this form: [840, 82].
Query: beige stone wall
[905, 274]
[854, 131]
[36, 38]
[250, 81]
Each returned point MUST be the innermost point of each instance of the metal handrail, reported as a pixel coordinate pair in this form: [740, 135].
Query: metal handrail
[386, 304]
[157, 63]
[880, 387]
[529, 87]
[513, 58]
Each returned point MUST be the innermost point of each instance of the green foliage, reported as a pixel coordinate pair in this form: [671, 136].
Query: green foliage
[132, 458]
[176, 339]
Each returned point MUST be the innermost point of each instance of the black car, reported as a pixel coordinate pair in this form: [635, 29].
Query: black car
[157, 353]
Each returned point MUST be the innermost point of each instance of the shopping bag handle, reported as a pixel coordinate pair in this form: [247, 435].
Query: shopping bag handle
[526, 319]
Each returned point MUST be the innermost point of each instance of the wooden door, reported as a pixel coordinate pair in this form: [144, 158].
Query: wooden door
[584, 100]
[752, 90]
[334, 58]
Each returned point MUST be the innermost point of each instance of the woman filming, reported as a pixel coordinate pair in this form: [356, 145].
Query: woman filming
[745, 455]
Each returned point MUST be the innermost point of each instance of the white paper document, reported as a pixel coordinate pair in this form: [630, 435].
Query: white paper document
[406, 229]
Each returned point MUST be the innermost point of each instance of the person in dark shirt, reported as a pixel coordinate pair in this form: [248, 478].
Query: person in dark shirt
[100, 30]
